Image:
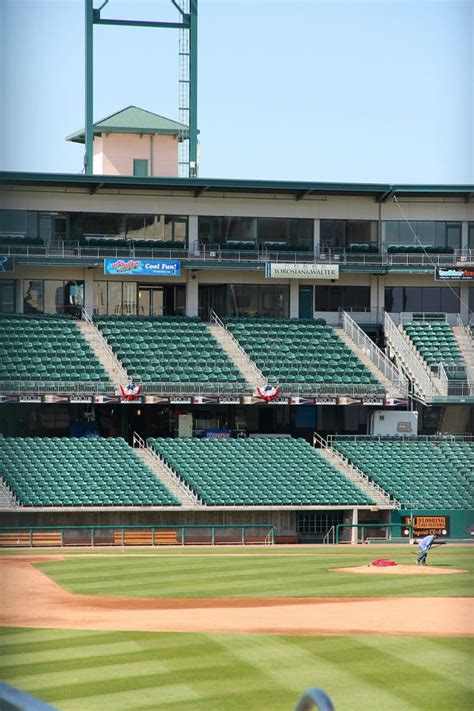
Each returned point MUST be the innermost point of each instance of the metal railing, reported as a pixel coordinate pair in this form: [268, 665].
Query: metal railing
[139, 443]
[330, 536]
[38, 387]
[321, 443]
[259, 376]
[410, 358]
[197, 388]
[375, 355]
[104, 343]
[314, 698]
[409, 439]
[215, 253]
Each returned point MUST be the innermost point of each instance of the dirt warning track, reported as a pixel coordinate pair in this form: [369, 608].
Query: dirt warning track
[28, 598]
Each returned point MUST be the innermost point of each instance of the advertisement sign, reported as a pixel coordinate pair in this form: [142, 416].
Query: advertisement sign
[29, 398]
[288, 270]
[7, 264]
[426, 525]
[143, 267]
[454, 274]
[217, 434]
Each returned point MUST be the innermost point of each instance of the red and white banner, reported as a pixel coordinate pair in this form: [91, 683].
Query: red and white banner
[269, 392]
[130, 391]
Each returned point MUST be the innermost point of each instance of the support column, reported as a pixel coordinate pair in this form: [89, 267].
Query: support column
[89, 291]
[192, 292]
[192, 233]
[316, 236]
[294, 298]
[464, 305]
[464, 235]
[19, 296]
[354, 531]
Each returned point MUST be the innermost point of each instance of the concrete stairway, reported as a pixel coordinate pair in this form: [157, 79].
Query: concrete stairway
[466, 345]
[168, 478]
[7, 500]
[370, 489]
[112, 366]
[237, 355]
[388, 386]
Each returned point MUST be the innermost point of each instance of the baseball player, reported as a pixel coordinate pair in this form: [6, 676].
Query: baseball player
[423, 547]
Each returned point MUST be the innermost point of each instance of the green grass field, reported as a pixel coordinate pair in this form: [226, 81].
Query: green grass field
[259, 572]
[78, 670]
[92, 671]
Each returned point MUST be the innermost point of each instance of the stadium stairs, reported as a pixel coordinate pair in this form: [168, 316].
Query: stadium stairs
[426, 384]
[381, 498]
[7, 500]
[393, 381]
[253, 376]
[465, 340]
[168, 478]
[111, 364]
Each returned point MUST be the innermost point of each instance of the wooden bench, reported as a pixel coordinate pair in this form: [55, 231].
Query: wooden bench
[47, 538]
[12, 539]
[144, 537]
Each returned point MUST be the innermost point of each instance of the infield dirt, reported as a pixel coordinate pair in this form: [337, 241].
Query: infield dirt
[31, 599]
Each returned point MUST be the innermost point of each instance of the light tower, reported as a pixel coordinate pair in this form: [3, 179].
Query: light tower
[187, 77]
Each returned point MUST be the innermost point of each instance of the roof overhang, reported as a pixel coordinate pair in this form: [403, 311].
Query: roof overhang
[198, 186]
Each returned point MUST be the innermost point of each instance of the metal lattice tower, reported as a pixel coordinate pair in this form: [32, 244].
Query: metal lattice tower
[183, 96]
[187, 78]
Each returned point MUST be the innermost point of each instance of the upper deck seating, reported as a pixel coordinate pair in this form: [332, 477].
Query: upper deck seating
[419, 474]
[260, 471]
[169, 350]
[292, 351]
[46, 348]
[436, 343]
[79, 472]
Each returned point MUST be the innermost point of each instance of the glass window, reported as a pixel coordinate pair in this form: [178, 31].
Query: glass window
[53, 296]
[33, 296]
[471, 301]
[13, 222]
[349, 298]
[399, 233]
[422, 299]
[140, 167]
[100, 298]
[73, 297]
[348, 234]
[256, 300]
[7, 296]
[103, 225]
[129, 298]
[114, 298]
[426, 233]
[470, 239]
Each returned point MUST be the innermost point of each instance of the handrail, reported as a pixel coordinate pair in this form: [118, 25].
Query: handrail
[245, 356]
[326, 444]
[38, 387]
[375, 355]
[314, 698]
[140, 443]
[330, 534]
[103, 341]
[443, 379]
[418, 372]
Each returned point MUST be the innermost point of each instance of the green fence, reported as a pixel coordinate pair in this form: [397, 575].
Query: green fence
[138, 535]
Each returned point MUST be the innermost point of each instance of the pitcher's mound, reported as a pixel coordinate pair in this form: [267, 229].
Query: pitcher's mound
[399, 570]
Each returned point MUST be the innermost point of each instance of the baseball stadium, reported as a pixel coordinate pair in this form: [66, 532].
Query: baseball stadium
[236, 428]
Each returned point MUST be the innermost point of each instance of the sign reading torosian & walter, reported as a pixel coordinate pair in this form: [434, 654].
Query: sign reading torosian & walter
[288, 270]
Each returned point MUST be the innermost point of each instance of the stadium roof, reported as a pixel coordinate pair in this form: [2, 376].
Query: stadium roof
[208, 186]
[133, 120]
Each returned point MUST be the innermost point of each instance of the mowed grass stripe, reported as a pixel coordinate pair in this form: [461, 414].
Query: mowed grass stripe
[256, 576]
[288, 665]
[102, 650]
[450, 665]
[251, 672]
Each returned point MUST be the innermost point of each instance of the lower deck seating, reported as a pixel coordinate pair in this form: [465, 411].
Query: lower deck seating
[260, 471]
[422, 474]
[79, 472]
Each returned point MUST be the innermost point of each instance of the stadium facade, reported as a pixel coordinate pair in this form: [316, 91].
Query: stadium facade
[246, 261]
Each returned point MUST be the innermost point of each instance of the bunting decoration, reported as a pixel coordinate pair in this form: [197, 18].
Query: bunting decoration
[130, 391]
[269, 392]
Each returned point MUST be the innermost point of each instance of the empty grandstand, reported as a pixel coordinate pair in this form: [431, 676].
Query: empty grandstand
[61, 472]
[47, 351]
[258, 472]
[303, 353]
[420, 474]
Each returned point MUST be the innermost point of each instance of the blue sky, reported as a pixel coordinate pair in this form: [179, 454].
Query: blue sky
[354, 91]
